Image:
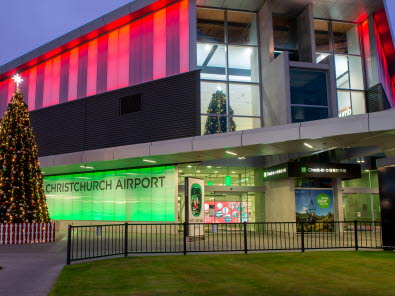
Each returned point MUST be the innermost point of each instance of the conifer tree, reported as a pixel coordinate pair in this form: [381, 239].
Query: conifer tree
[22, 197]
[218, 124]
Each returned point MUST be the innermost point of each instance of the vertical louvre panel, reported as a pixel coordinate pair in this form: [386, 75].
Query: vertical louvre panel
[173, 39]
[151, 47]
[82, 71]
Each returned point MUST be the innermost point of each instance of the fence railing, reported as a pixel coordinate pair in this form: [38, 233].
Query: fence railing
[93, 241]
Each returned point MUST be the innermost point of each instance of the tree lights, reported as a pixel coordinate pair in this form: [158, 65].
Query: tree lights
[22, 198]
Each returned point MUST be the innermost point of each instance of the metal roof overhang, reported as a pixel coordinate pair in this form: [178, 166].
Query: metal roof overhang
[353, 131]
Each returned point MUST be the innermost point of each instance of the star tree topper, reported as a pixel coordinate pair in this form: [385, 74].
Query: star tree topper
[17, 79]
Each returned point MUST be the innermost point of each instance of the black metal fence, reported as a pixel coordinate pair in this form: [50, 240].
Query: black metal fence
[93, 241]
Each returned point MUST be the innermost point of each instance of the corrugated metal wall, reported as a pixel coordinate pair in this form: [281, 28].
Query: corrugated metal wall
[171, 109]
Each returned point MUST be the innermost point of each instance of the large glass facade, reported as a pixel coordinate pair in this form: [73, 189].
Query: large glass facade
[227, 54]
[342, 40]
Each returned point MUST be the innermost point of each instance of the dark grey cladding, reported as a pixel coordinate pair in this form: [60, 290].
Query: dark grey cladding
[170, 110]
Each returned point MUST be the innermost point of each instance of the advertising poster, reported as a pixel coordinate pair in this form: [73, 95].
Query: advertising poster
[194, 205]
[226, 211]
[313, 206]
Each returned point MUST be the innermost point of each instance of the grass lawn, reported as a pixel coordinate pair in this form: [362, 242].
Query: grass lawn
[313, 273]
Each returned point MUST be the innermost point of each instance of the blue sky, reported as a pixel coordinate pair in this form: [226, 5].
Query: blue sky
[28, 24]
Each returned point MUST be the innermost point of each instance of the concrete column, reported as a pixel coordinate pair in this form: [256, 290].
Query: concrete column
[259, 196]
[266, 40]
[280, 200]
[306, 36]
[192, 35]
[370, 52]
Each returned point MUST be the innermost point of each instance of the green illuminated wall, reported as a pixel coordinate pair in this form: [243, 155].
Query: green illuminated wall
[147, 194]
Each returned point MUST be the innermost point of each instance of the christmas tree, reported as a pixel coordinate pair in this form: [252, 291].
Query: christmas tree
[22, 198]
[218, 124]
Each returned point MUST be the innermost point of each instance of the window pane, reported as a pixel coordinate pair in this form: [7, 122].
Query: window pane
[214, 124]
[322, 40]
[301, 114]
[246, 123]
[358, 103]
[211, 59]
[349, 72]
[210, 25]
[344, 103]
[345, 38]
[242, 28]
[308, 88]
[243, 63]
[285, 33]
[213, 98]
[244, 99]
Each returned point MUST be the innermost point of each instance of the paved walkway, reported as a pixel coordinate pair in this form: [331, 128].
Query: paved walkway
[30, 269]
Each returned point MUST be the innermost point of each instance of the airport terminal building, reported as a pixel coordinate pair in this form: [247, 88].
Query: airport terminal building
[275, 104]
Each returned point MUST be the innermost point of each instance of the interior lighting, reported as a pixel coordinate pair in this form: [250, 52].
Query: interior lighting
[308, 145]
[151, 161]
[219, 87]
[241, 157]
[86, 167]
[209, 166]
[230, 152]
[189, 166]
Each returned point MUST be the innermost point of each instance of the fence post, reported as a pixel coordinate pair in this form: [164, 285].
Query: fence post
[126, 240]
[356, 234]
[185, 237]
[68, 245]
[302, 236]
[245, 238]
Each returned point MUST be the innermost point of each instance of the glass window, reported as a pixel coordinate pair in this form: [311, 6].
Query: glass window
[351, 103]
[285, 33]
[349, 72]
[215, 124]
[244, 99]
[322, 39]
[246, 123]
[302, 114]
[308, 88]
[243, 63]
[242, 28]
[210, 25]
[212, 60]
[345, 38]
[213, 98]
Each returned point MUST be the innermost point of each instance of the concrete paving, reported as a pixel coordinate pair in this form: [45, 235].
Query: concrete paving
[30, 269]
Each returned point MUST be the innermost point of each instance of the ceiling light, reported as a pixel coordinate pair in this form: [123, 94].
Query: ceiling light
[308, 145]
[86, 167]
[207, 47]
[189, 166]
[198, 171]
[216, 172]
[219, 87]
[151, 161]
[241, 157]
[230, 152]
[233, 172]
[180, 171]
[209, 166]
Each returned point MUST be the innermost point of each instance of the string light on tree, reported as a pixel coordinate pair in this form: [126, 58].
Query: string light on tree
[22, 197]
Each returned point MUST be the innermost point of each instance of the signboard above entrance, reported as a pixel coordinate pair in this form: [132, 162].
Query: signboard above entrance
[312, 170]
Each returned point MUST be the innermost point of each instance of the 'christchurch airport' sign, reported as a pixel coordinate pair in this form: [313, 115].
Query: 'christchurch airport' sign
[145, 194]
[312, 170]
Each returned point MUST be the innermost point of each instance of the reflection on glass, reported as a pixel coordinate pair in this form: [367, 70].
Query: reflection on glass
[243, 63]
[285, 33]
[211, 59]
[345, 38]
[244, 99]
[210, 25]
[351, 103]
[246, 123]
[349, 72]
[308, 88]
[211, 102]
[302, 114]
[322, 40]
[242, 28]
